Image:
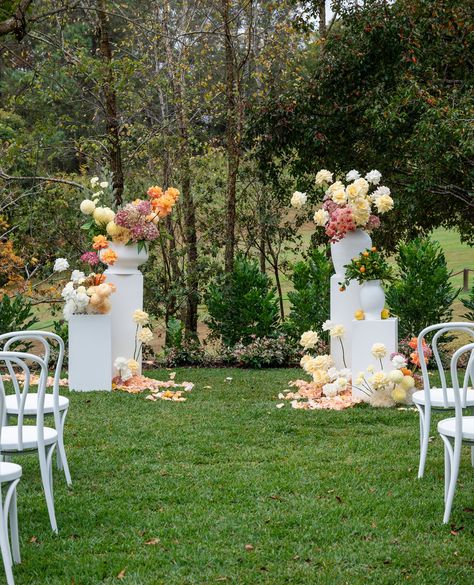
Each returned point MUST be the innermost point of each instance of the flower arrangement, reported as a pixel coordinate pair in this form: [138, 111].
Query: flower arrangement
[369, 265]
[129, 367]
[385, 389]
[84, 294]
[349, 206]
[134, 223]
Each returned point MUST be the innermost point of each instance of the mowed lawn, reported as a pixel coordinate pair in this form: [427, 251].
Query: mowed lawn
[226, 488]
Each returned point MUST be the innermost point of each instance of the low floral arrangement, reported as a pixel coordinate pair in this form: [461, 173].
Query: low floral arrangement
[134, 223]
[128, 367]
[369, 265]
[84, 295]
[349, 206]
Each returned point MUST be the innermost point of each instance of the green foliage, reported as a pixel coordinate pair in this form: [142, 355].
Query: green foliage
[264, 352]
[16, 314]
[310, 297]
[369, 265]
[242, 305]
[423, 295]
[469, 305]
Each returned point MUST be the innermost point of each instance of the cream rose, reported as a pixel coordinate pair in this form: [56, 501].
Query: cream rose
[379, 350]
[321, 217]
[323, 176]
[309, 339]
[87, 207]
[298, 199]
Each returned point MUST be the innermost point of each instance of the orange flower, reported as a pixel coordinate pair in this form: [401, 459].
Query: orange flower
[100, 243]
[172, 192]
[415, 358]
[154, 192]
[163, 205]
[99, 279]
[109, 257]
[406, 371]
[362, 269]
[374, 249]
[413, 343]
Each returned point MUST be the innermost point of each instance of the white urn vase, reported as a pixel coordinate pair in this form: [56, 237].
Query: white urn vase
[129, 258]
[351, 245]
[372, 299]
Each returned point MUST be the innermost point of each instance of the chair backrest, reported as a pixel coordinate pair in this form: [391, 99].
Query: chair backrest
[43, 338]
[8, 361]
[439, 330]
[458, 402]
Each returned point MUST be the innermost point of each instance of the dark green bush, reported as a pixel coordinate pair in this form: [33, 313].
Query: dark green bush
[16, 314]
[469, 305]
[423, 294]
[264, 352]
[242, 305]
[310, 297]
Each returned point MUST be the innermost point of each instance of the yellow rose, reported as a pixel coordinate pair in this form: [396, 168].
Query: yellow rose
[339, 196]
[399, 394]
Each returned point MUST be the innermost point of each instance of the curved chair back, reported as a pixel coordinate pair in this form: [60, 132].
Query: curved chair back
[8, 361]
[42, 337]
[440, 329]
[458, 401]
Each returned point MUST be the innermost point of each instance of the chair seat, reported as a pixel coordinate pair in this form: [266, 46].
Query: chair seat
[31, 404]
[436, 395]
[9, 437]
[9, 471]
[447, 427]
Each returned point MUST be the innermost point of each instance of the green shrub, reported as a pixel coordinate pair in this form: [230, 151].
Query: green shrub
[310, 297]
[242, 305]
[16, 314]
[469, 305]
[423, 294]
[264, 352]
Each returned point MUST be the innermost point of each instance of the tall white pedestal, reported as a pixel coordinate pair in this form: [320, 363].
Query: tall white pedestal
[343, 306]
[125, 300]
[90, 353]
[364, 335]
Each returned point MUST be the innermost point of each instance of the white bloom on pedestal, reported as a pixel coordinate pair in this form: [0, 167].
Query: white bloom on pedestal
[373, 177]
[353, 175]
[323, 176]
[321, 217]
[77, 276]
[298, 199]
[60, 265]
[379, 350]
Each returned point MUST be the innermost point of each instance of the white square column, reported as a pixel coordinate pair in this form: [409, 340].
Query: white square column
[364, 335]
[90, 353]
[343, 306]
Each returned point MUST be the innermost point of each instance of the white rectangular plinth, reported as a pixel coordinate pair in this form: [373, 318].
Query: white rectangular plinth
[343, 306]
[364, 335]
[90, 353]
[127, 299]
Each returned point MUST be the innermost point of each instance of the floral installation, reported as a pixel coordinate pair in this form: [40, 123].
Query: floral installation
[128, 367]
[385, 389]
[329, 388]
[368, 265]
[84, 295]
[134, 223]
[408, 360]
[347, 207]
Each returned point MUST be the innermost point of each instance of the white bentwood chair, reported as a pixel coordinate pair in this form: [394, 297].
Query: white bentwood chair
[54, 403]
[456, 431]
[10, 474]
[20, 438]
[442, 398]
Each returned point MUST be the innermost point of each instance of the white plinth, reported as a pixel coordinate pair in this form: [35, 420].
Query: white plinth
[125, 300]
[343, 306]
[90, 353]
[364, 335]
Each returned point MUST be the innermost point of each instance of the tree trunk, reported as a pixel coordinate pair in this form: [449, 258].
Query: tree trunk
[232, 136]
[322, 18]
[17, 23]
[112, 119]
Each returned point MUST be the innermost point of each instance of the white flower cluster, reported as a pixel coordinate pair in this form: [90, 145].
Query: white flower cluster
[121, 364]
[76, 299]
[298, 199]
[101, 215]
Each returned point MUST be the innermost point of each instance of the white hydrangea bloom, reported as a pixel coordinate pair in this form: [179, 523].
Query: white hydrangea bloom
[373, 177]
[60, 265]
[353, 175]
[298, 199]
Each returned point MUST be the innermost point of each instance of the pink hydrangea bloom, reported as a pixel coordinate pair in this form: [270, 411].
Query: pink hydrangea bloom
[340, 222]
[90, 258]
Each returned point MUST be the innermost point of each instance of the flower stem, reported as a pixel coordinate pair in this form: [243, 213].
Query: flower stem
[343, 353]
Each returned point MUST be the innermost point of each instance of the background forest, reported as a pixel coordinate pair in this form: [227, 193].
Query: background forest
[237, 103]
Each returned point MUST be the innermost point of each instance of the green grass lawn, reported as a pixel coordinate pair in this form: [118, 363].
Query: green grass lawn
[321, 497]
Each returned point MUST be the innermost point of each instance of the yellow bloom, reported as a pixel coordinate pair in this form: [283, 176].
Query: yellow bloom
[385, 314]
[339, 196]
[145, 335]
[140, 317]
[359, 315]
[399, 394]
[133, 365]
[407, 383]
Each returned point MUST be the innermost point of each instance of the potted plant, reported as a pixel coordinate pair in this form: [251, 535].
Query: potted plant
[369, 269]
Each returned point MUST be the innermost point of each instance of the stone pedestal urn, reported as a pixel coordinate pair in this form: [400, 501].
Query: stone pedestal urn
[372, 299]
[350, 246]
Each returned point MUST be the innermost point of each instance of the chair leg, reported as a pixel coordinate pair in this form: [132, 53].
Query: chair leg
[45, 464]
[13, 513]
[447, 469]
[5, 548]
[61, 454]
[456, 458]
[425, 421]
